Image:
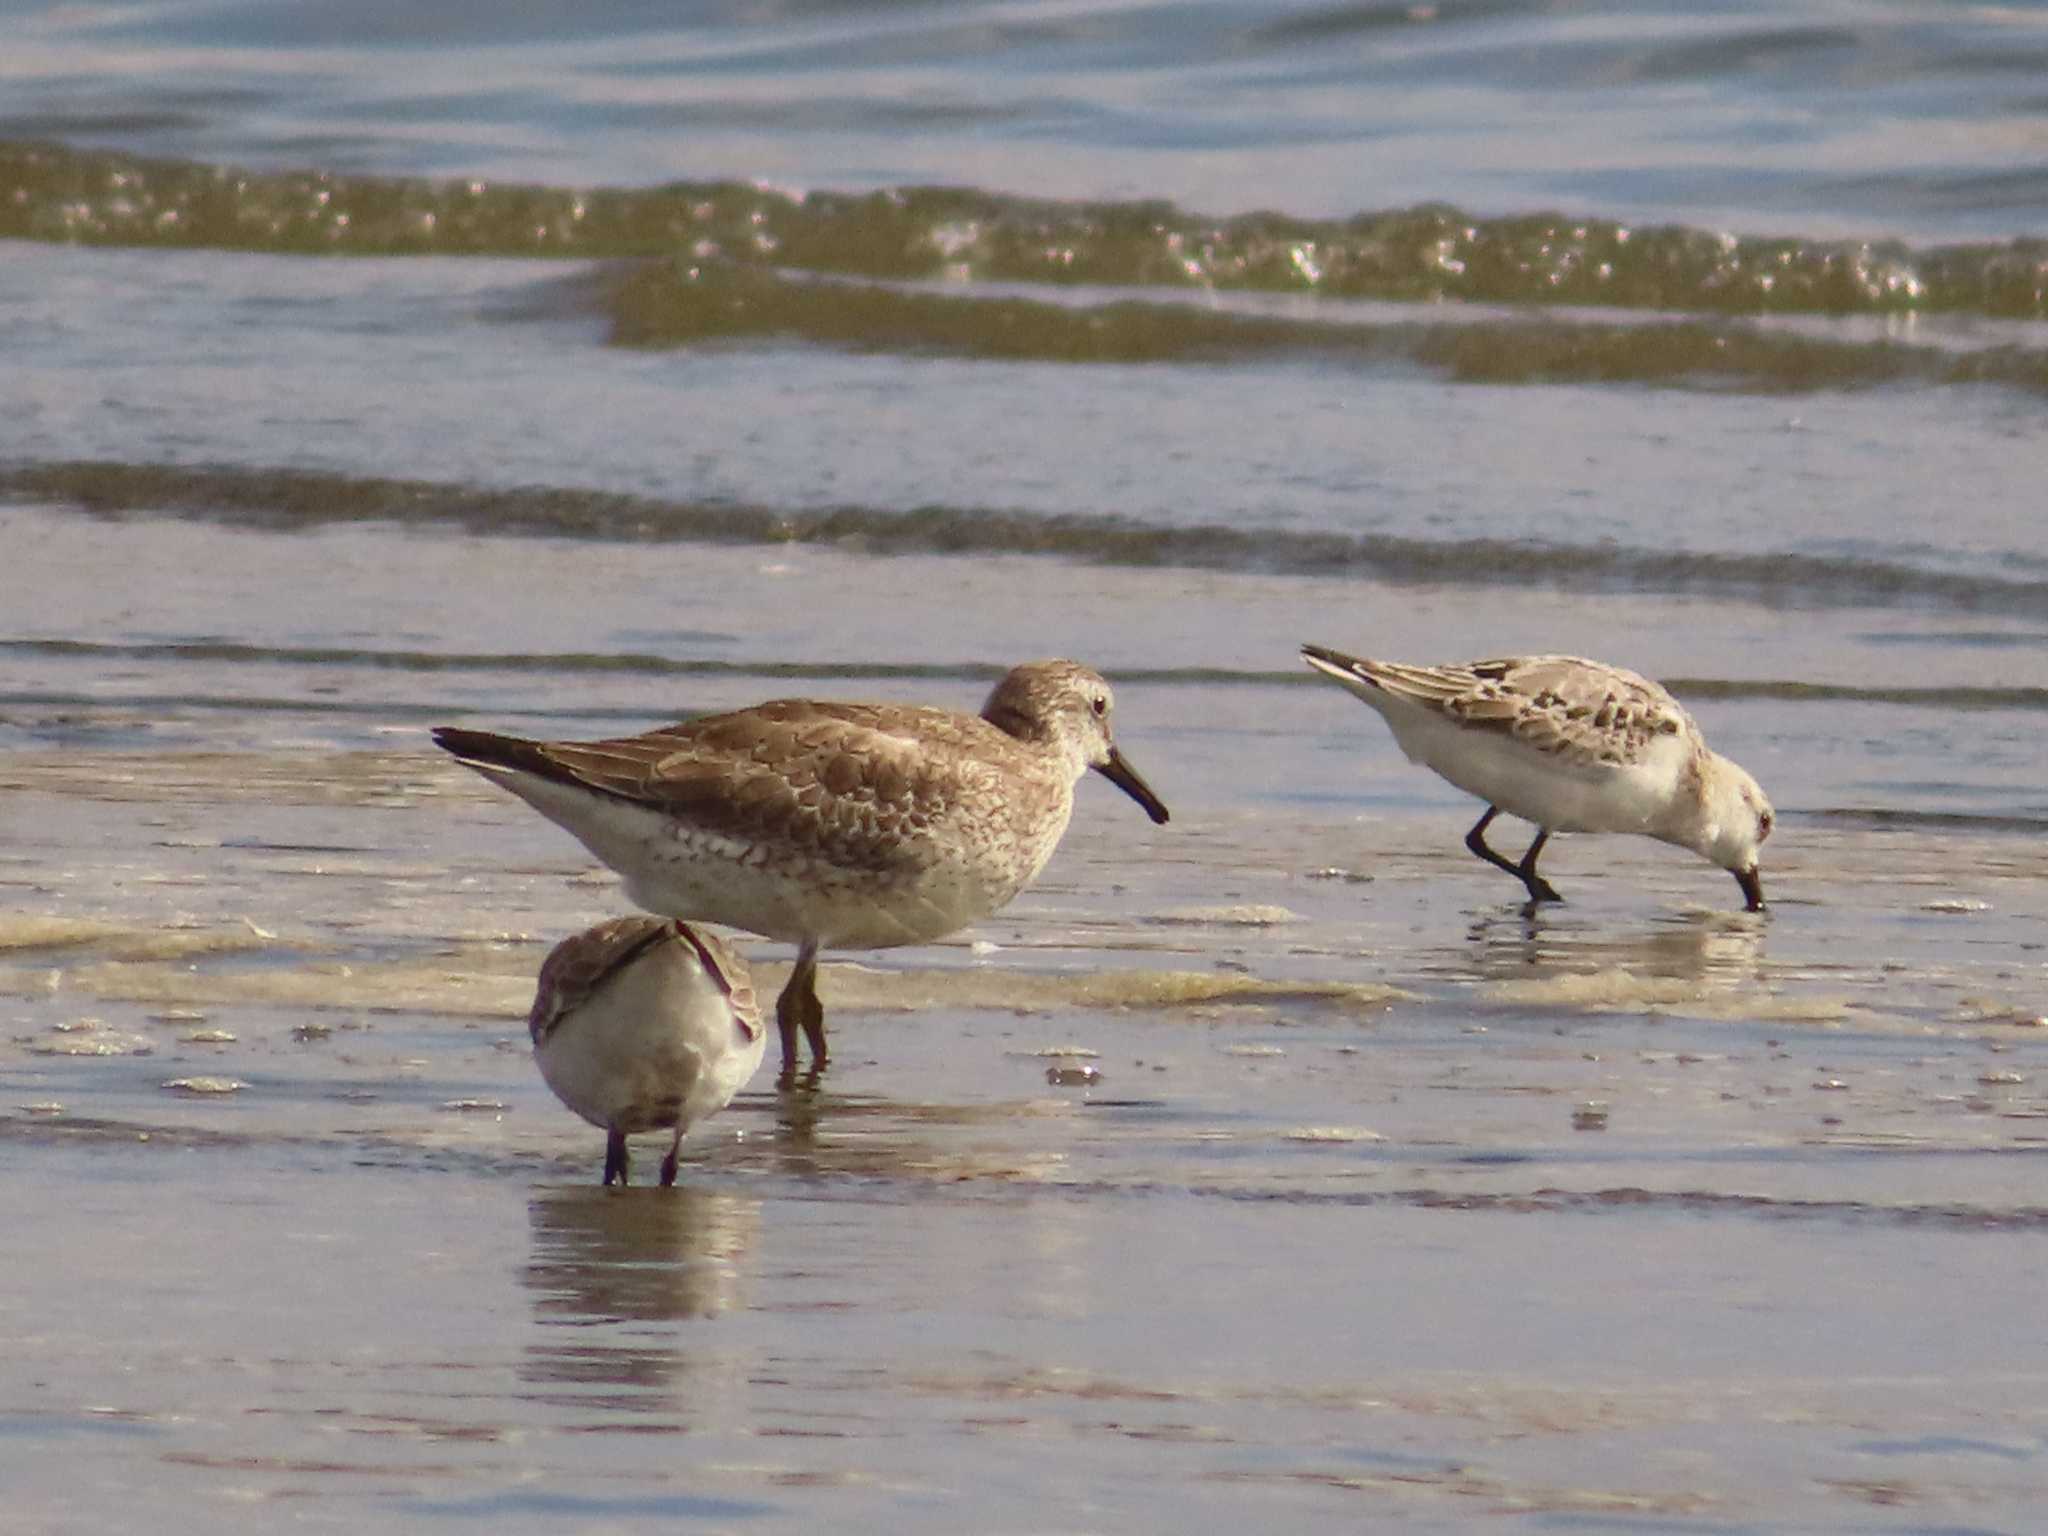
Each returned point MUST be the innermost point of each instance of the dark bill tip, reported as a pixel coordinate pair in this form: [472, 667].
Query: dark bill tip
[1125, 778]
[1752, 887]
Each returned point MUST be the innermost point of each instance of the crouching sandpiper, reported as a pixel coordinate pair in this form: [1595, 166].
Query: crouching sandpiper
[645, 1024]
[1570, 745]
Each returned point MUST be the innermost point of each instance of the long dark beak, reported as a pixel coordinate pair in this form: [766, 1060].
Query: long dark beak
[1752, 887]
[1125, 778]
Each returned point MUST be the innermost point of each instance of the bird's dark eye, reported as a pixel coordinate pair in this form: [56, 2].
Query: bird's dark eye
[1101, 704]
[1763, 825]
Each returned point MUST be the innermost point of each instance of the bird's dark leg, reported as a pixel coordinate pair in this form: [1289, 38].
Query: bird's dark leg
[787, 1011]
[615, 1158]
[668, 1164]
[799, 1008]
[1476, 841]
[1539, 888]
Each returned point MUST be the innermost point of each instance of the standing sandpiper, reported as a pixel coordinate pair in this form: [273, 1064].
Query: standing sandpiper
[824, 824]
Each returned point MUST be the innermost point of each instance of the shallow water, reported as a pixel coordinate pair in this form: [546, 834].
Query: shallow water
[1269, 1167]
[1267, 1162]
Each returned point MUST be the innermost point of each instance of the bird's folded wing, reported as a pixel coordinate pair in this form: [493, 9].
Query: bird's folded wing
[829, 779]
[1582, 714]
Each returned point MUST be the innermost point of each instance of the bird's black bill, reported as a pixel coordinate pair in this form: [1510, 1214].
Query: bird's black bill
[1125, 778]
[1752, 887]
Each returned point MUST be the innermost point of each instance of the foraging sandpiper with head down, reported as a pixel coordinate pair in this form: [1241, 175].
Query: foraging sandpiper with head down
[1570, 745]
[829, 825]
[645, 1024]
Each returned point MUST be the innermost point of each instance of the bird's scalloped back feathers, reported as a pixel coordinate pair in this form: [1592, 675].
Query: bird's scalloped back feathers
[578, 966]
[766, 773]
[1582, 712]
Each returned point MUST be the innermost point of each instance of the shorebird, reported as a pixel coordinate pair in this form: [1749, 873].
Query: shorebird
[828, 825]
[1570, 745]
[645, 1024]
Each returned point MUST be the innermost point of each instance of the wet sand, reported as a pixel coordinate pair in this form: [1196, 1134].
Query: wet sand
[1214, 1179]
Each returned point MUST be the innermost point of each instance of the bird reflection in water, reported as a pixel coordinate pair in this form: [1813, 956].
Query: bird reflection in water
[1708, 948]
[603, 1266]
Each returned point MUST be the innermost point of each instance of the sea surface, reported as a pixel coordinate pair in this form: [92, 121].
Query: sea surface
[571, 369]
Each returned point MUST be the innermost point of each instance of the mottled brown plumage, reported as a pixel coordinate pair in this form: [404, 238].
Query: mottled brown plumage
[828, 824]
[1571, 745]
[856, 786]
[576, 969]
[644, 1024]
[1571, 710]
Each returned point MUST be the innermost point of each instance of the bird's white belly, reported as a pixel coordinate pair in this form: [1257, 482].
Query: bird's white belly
[713, 880]
[657, 1047]
[1525, 782]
